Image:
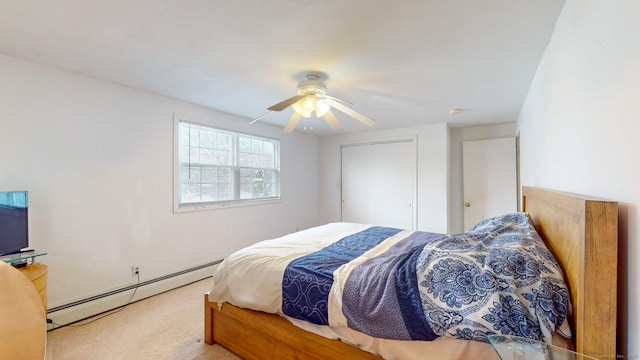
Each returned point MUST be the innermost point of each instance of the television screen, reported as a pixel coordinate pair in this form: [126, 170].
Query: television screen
[14, 227]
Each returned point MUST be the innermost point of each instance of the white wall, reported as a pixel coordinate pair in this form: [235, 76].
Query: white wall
[97, 160]
[433, 160]
[579, 128]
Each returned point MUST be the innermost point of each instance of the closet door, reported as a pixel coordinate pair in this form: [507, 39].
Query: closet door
[378, 183]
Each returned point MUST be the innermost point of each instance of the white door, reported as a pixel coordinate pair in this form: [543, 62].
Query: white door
[489, 179]
[378, 184]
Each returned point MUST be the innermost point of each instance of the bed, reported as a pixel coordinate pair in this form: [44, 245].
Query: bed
[580, 232]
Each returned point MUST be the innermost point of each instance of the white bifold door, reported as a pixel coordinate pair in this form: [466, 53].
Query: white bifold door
[378, 183]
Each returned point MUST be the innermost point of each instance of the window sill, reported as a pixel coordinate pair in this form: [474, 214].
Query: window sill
[186, 208]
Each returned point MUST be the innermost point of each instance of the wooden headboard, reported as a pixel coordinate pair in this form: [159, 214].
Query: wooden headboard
[582, 233]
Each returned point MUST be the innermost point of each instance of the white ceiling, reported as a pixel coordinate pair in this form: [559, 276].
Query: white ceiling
[401, 63]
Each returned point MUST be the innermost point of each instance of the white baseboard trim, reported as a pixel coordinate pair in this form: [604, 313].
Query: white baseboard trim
[82, 309]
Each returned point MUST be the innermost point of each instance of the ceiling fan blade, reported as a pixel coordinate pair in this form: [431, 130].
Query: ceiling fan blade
[286, 103]
[261, 117]
[356, 115]
[335, 99]
[332, 120]
[293, 121]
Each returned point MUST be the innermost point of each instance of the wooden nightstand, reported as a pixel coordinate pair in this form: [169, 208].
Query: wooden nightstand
[37, 274]
[34, 271]
[23, 329]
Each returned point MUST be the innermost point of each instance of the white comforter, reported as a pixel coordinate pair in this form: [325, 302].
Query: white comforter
[251, 278]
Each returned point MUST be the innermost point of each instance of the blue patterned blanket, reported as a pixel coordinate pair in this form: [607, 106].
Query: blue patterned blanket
[496, 278]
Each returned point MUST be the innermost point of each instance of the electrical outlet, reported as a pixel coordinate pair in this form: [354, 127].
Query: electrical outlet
[135, 270]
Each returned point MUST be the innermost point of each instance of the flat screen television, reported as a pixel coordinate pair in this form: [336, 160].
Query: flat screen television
[14, 224]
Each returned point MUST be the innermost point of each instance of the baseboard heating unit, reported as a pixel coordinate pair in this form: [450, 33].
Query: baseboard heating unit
[84, 308]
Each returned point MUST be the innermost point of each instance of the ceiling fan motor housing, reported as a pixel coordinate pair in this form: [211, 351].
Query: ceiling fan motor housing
[311, 88]
[312, 85]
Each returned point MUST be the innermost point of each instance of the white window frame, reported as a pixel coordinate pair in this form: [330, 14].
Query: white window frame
[179, 207]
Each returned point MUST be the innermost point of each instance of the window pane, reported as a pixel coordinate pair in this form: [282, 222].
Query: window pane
[206, 139]
[244, 144]
[224, 157]
[218, 165]
[255, 152]
[258, 183]
[190, 193]
[209, 193]
[194, 136]
[193, 155]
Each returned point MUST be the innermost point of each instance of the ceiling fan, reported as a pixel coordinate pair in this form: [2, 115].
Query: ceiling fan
[312, 98]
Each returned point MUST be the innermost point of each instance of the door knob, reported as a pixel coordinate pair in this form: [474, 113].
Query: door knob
[467, 204]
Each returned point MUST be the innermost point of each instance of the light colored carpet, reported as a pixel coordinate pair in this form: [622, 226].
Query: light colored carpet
[165, 326]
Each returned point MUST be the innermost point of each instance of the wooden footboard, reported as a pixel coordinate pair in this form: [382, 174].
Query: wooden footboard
[257, 335]
[208, 320]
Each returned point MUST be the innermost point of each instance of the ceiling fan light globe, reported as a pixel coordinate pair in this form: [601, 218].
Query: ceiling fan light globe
[309, 104]
[321, 107]
[297, 107]
[306, 113]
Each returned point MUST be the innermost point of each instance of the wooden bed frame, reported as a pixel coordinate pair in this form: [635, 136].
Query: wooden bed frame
[581, 232]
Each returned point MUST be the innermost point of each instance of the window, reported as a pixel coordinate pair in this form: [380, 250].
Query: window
[220, 167]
